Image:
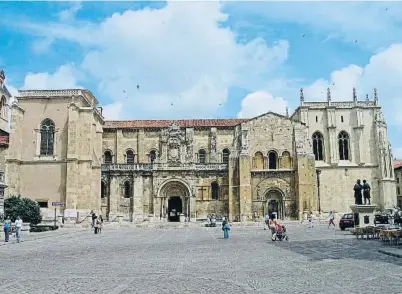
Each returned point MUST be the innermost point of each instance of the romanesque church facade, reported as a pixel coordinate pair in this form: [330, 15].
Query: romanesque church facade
[61, 149]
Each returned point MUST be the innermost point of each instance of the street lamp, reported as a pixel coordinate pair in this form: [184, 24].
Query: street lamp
[2, 187]
[318, 172]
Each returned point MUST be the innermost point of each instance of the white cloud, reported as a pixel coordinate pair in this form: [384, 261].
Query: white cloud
[113, 111]
[42, 45]
[384, 72]
[63, 78]
[70, 13]
[180, 57]
[260, 102]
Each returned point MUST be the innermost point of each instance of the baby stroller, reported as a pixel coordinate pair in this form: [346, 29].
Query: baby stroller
[281, 233]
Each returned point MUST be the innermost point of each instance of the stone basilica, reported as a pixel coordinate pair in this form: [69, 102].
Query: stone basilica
[60, 149]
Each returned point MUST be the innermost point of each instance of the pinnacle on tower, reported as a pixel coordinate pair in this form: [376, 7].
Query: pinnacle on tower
[328, 94]
[301, 96]
[287, 111]
[354, 94]
[375, 96]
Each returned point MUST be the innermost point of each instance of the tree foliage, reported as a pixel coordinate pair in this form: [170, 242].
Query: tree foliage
[27, 209]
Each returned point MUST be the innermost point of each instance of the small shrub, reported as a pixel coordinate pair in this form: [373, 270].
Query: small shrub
[27, 209]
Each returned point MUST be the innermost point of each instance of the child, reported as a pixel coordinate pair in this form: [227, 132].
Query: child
[226, 229]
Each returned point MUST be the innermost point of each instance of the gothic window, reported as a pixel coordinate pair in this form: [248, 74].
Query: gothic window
[127, 189]
[130, 157]
[152, 156]
[225, 156]
[202, 156]
[47, 137]
[343, 142]
[258, 160]
[215, 190]
[103, 189]
[108, 158]
[3, 108]
[318, 146]
[272, 160]
[286, 160]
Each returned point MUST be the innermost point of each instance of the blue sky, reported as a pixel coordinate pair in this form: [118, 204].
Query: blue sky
[206, 59]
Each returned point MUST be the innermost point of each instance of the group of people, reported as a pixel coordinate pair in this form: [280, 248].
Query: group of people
[359, 188]
[7, 228]
[97, 222]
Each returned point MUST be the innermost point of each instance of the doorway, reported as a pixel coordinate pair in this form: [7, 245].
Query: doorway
[273, 207]
[175, 208]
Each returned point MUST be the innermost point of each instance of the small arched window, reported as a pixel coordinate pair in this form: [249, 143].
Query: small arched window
[318, 146]
[152, 156]
[215, 191]
[286, 160]
[103, 189]
[343, 142]
[47, 137]
[108, 158]
[225, 156]
[258, 160]
[272, 160]
[130, 157]
[127, 189]
[202, 156]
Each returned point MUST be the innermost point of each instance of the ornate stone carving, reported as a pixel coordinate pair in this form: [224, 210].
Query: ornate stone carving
[189, 141]
[213, 141]
[244, 140]
[174, 138]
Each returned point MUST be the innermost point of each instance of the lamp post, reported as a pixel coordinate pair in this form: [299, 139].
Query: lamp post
[318, 172]
[2, 187]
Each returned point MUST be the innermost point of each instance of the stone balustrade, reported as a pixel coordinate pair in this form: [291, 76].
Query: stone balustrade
[162, 166]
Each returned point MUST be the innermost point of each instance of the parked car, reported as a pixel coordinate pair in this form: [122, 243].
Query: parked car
[347, 221]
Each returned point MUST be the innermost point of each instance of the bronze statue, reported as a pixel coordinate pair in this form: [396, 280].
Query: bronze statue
[358, 192]
[366, 192]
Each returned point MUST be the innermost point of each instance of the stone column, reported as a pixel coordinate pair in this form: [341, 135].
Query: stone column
[138, 198]
[245, 186]
[114, 196]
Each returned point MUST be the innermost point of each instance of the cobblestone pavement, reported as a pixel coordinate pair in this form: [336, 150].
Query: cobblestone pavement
[199, 260]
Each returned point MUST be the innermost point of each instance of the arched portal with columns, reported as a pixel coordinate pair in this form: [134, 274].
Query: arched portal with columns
[275, 202]
[174, 198]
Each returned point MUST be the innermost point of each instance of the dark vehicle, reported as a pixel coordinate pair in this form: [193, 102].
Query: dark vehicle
[347, 221]
[381, 219]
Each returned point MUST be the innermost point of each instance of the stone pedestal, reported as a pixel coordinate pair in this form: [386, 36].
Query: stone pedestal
[365, 214]
[182, 217]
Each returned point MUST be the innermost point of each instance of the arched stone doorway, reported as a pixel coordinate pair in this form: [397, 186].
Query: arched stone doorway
[275, 203]
[175, 200]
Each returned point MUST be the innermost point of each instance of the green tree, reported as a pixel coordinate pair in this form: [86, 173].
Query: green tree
[27, 209]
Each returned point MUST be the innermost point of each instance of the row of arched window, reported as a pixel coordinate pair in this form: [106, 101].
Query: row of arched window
[130, 156]
[273, 160]
[343, 146]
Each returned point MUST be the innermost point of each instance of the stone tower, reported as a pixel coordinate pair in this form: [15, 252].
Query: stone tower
[5, 97]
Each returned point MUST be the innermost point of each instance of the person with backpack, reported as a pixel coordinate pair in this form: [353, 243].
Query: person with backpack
[7, 229]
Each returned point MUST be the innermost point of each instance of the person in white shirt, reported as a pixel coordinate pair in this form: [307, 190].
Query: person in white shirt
[18, 228]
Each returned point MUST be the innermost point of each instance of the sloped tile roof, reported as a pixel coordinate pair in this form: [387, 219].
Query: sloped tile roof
[184, 123]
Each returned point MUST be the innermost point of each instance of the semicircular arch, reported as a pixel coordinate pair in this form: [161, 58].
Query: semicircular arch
[172, 185]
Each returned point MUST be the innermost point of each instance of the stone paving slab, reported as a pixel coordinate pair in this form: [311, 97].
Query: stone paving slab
[26, 237]
[199, 260]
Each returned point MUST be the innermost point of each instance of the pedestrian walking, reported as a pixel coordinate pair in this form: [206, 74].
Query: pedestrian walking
[7, 229]
[310, 219]
[266, 224]
[18, 229]
[272, 226]
[331, 219]
[226, 229]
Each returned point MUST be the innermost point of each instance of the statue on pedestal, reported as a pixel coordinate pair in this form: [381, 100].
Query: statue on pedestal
[366, 192]
[358, 192]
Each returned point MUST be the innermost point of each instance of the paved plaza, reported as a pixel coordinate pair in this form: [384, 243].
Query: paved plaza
[199, 260]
